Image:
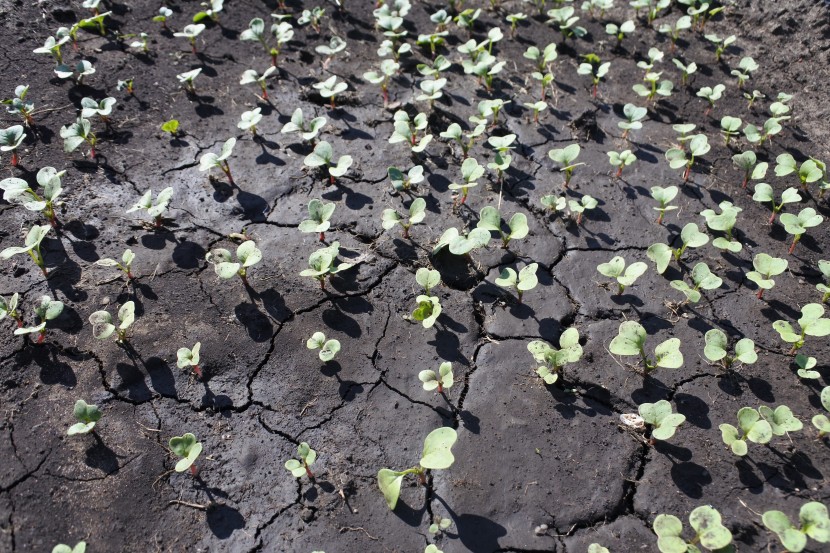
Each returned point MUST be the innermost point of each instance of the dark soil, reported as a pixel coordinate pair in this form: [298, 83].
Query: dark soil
[527, 454]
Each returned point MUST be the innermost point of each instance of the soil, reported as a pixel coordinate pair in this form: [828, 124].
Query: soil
[538, 468]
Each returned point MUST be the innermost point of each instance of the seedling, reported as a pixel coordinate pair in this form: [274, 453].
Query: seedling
[620, 31]
[80, 547]
[103, 327]
[460, 244]
[328, 348]
[706, 523]
[81, 69]
[126, 263]
[566, 22]
[724, 222]
[10, 139]
[781, 419]
[621, 160]
[323, 263]
[249, 120]
[593, 67]
[685, 70]
[824, 287]
[401, 181]
[625, 276]
[323, 155]
[808, 172]
[542, 58]
[454, 132]
[155, 209]
[752, 97]
[19, 106]
[210, 160]
[31, 246]
[490, 220]
[188, 77]
[805, 365]
[820, 421]
[712, 95]
[716, 349]
[702, 278]
[299, 467]
[433, 40]
[417, 212]
[45, 310]
[431, 90]
[654, 56]
[251, 76]
[247, 255]
[514, 19]
[17, 191]
[683, 129]
[312, 17]
[797, 225]
[677, 158]
[189, 449]
[721, 44]
[661, 254]
[659, 416]
[319, 214]
[747, 161]
[10, 308]
[553, 360]
[308, 129]
[330, 88]
[631, 340]
[437, 455]
[752, 427]
[171, 127]
[633, 119]
[597, 548]
[190, 32]
[663, 196]
[186, 357]
[766, 267]
[655, 87]
[754, 135]
[164, 13]
[439, 524]
[52, 47]
[683, 22]
[427, 278]
[811, 323]
[438, 381]
[585, 203]
[211, 11]
[565, 157]
[537, 107]
[76, 134]
[813, 523]
[471, 171]
[435, 68]
[592, 6]
[520, 283]
[87, 416]
[730, 126]
[427, 311]
[388, 68]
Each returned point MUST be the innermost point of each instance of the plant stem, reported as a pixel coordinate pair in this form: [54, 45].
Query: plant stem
[795, 241]
[322, 236]
[760, 293]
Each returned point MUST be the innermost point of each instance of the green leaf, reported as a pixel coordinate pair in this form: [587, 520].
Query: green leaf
[295, 467]
[815, 522]
[389, 482]
[612, 269]
[781, 420]
[668, 354]
[630, 340]
[329, 350]
[707, 523]
[437, 452]
[661, 255]
[716, 343]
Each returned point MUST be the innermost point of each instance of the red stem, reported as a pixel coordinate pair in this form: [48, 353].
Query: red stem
[760, 293]
[322, 236]
[193, 470]
[197, 370]
[14, 159]
[792, 247]
[686, 173]
[41, 337]
[595, 91]
[619, 171]
[772, 217]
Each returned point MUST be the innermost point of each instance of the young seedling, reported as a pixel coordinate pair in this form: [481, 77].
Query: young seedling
[631, 340]
[172, 128]
[250, 76]
[808, 172]
[702, 278]
[552, 361]
[824, 287]
[747, 161]
[655, 86]
[565, 157]
[754, 135]
[417, 212]
[163, 14]
[211, 11]
[706, 523]
[633, 119]
[805, 365]
[597, 548]
[625, 276]
[490, 220]
[660, 418]
[299, 467]
[17, 191]
[593, 67]
[323, 263]
[730, 126]
[319, 214]
[724, 222]
[427, 311]
[712, 95]
[766, 267]
[813, 523]
[663, 196]
[427, 278]
[308, 129]
[683, 129]
[661, 254]
[210, 160]
[312, 17]
[186, 357]
[811, 323]
[536, 108]
[190, 32]
[585, 203]
[820, 421]
[438, 525]
[780, 419]
[431, 90]
[520, 283]
[683, 23]
[460, 244]
[31, 246]
[677, 158]
[81, 69]
[10, 139]
[328, 348]
[330, 88]
[620, 31]
[247, 255]
[45, 310]
[9, 308]
[155, 209]
[187, 79]
[797, 225]
[323, 155]
[471, 171]
[249, 120]
[565, 20]
[388, 69]
[716, 349]
[189, 449]
[19, 106]
[437, 455]
[454, 132]
[437, 381]
[76, 134]
[52, 47]
[746, 66]
[721, 44]
[335, 45]
[103, 327]
[752, 427]
[514, 19]
[87, 416]
[685, 70]
[753, 97]
[90, 108]
[402, 182]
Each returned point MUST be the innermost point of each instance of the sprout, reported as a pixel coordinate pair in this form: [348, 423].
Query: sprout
[387, 47]
[188, 77]
[312, 17]
[80, 547]
[620, 31]
[76, 134]
[721, 44]
[471, 171]
[328, 348]
[813, 523]
[45, 310]
[186, 357]
[323, 155]
[17, 191]
[247, 255]
[659, 416]
[781, 419]
[283, 32]
[625, 276]
[797, 225]
[90, 108]
[490, 220]
[298, 468]
[10, 139]
[319, 214]
[141, 43]
[752, 427]
[593, 67]
[752, 97]
[308, 130]
[754, 135]
[439, 525]
[402, 182]
[522, 282]
[427, 278]
[724, 222]
[171, 127]
[437, 380]
[323, 264]
[388, 68]
[808, 172]
[543, 58]
[81, 69]
[633, 117]
[31, 246]
[190, 32]
[805, 364]
[820, 421]
[10, 308]
[52, 47]
[747, 65]
[716, 349]
[103, 327]
[712, 95]
[189, 449]
[677, 158]
[251, 76]
[454, 132]
[686, 70]
[661, 254]
[86, 415]
[554, 203]
[621, 160]
[654, 88]
[537, 108]
[631, 340]
[431, 90]
[210, 160]
[566, 21]
[747, 161]
[155, 209]
[684, 129]
[663, 196]
[460, 244]
[566, 157]
[211, 11]
[466, 18]
[428, 310]
[434, 70]
[554, 360]
[335, 45]
[18, 105]
[417, 212]
[585, 203]
[764, 193]
[702, 277]
[437, 455]
[684, 22]
[811, 323]
[730, 127]
[824, 288]
[654, 56]
[330, 88]
[704, 520]
[164, 13]
[766, 266]
[249, 120]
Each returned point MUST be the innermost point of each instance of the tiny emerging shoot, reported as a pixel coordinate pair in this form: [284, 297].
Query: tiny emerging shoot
[751, 426]
[631, 340]
[328, 347]
[189, 449]
[247, 255]
[330, 88]
[76, 134]
[634, 116]
[702, 278]
[323, 156]
[716, 350]
[301, 466]
[709, 532]
[552, 361]
[677, 158]
[103, 327]
[186, 357]
[723, 222]
[250, 76]
[155, 208]
[593, 67]
[209, 160]
[471, 171]
[747, 161]
[663, 196]
[811, 323]
[820, 421]
[824, 287]
[521, 282]
[319, 215]
[797, 225]
[438, 381]
[813, 522]
[45, 310]
[585, 203]
[17, 191]
[712, 95]
[9, 308]
[10, 140]
[661, 254]
[490, 220]
[402, 182]
[190, 32]
[766, 267]
[31, 246]
[323, 263]
[625, 276]
[417, 212]
[308, 129]
[87, 416]
[565, 158]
